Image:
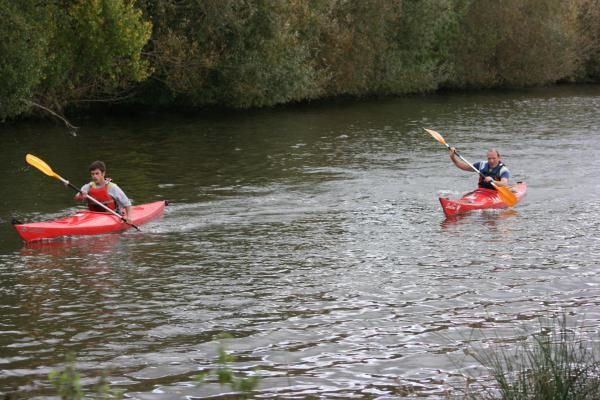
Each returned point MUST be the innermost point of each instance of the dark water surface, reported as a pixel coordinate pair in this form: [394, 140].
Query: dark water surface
[313, 236]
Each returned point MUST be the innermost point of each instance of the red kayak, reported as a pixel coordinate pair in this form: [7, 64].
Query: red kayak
[87, 222]
[480, 199]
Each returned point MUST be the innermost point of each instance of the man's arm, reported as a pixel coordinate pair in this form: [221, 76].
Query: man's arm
[127, 214]
[504, 176]
[123, 201]
[457, 161]
[501, 182]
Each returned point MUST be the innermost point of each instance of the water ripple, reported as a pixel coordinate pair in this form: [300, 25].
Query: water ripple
[323, 253]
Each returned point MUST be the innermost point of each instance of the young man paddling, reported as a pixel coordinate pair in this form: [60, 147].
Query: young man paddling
[493, 169]
[105, 191]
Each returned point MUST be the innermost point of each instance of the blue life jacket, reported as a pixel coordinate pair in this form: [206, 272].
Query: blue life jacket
[495, 173]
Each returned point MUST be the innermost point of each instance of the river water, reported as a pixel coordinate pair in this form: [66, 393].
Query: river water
[312, 236]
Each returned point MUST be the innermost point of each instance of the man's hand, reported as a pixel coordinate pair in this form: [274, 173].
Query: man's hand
[452, 152]
[81, 196]
[125, 215]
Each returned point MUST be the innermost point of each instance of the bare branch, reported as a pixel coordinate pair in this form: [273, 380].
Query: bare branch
[67, 123]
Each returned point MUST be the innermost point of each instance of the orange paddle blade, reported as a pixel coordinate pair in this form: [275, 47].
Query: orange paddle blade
[506, 195]
[436, 136]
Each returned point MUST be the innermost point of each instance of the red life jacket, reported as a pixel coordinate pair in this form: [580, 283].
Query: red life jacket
[101, 194]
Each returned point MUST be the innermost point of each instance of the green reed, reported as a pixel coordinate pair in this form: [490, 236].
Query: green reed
[68, 384]
[226, 376]
[557, 363]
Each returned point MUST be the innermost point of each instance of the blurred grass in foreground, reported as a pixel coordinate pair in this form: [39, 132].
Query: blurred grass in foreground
[558, 362]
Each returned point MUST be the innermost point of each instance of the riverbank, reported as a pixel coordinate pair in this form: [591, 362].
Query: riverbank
[252, 54]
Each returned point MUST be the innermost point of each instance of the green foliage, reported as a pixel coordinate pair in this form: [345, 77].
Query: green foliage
[514, 43]
[262, 63]
[557, 364]
[58, 53]
[587, 26]
[257, 53]
[67, 382]
[408, 68]
[230, 52]
[22, 54]
[96, 50]
[346, 38]
[225, 376]
[112, 34]
[105, 392]
[68, 386]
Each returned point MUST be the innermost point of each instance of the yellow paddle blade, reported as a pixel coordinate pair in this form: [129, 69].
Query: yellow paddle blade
[41, 165]
[436, 135]
[506, 195]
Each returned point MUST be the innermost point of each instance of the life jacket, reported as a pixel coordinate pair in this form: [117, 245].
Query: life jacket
[493, 172]
[101, 194]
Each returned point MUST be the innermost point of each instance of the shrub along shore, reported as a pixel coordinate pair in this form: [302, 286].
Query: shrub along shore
[67, 56]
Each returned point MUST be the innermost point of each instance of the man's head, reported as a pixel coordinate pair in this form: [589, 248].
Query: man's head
[493, 157]
[97, 171]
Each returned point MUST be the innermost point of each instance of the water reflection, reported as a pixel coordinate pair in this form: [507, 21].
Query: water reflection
[64, 247]
[314, 237]
[483, 217]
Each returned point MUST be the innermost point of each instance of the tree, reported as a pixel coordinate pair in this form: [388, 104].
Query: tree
[588, 39]
[22, 54]
[514, 43]
[95, 52]
[237, 53]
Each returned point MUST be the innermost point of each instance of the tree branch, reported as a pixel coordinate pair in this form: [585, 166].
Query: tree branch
[67, 123]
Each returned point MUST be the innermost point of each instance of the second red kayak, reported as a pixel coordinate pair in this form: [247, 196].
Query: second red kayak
[479, 199]
[87, 222]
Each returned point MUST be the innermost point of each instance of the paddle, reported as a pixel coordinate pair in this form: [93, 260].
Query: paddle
[504, 192]
[45, 168]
